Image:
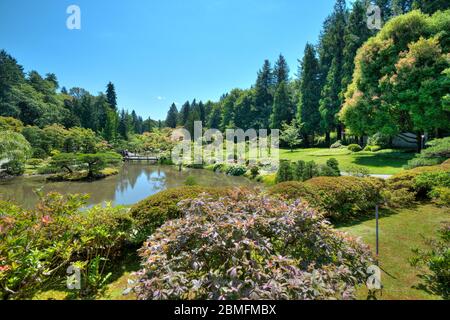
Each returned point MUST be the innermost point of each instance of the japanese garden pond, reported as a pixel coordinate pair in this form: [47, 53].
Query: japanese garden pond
[135, 182]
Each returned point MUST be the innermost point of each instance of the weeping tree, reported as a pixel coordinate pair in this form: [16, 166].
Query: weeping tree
[14, 151]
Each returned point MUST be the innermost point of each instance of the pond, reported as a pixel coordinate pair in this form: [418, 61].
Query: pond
[135, 182]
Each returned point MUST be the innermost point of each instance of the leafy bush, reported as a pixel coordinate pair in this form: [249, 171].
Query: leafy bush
[339, 198]
[357, 171]
[151, 213]
[284, 172]
[400, 198]
[441, 195]
[236, 170]
[246, 246]
[438, 152]
[37, 246]
[310, 171]
[354, 148]
[421, 181]
[380, 140]
[334, 164]
[337, 145]
[190, 181]
[437, 262]
[254, 171]
[34, 162]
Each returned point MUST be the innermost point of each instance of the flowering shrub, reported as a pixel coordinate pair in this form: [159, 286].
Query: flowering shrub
[37, 246]
[236, 170]
[151, 213]
[246, 246]
[339, 198]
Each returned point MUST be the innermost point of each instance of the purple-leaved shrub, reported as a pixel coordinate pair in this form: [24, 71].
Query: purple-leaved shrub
[248, 246]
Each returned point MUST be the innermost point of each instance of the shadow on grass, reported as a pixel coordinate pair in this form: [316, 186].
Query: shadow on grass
[392, 159]
[383, 213]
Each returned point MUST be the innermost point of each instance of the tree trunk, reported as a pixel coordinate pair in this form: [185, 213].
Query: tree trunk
[419, 142]
[328, 139]
[361, 141]
[339, 132]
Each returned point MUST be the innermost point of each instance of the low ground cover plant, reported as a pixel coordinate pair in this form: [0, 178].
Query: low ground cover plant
[247, 246]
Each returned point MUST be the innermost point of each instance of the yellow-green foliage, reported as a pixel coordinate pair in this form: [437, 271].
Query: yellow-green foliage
[154, 211]
[339, 198]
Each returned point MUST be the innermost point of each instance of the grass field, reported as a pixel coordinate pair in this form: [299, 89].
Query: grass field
[386, 162]
[400, 232]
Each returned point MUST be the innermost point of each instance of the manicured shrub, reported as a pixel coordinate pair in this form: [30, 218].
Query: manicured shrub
[310, 171]
[236, 170]
[354, 148]
[337, 145]
[334, 164]
[151, 213]
[436, 259]
[357, 171]
[284, 172]
[438, 152]
[441, 196]
[254, 171]
[37, 246]
[297, 170]
[422, 180]
[339, 198]
[246, 246]
[400, 198]
[375, 148]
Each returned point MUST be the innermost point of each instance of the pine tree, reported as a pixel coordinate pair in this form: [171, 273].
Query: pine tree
[281, 71]
[308, 106]
[263, 97]
[215, 117]
[356, 33]
[184, 113]
[172, 116]
[194, 116]
[281, 107]
[431, 6]
[111, 95]
[331, 101]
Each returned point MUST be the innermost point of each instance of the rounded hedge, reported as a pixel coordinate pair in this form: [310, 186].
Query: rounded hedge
[152, 212]
[339, 198]
[354, 148]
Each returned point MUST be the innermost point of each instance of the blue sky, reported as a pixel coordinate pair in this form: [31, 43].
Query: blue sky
[159, 52]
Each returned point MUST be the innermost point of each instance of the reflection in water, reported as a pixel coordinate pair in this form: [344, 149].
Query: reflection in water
[135, 182]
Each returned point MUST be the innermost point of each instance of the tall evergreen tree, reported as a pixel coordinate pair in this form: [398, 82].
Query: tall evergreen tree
[172, 116]
[431, 6]
[356, 33]
[281, 112]
[263, 97]
[111, 95]
[184, 113]
[215, 117]
[308, 115]
[331, 100]
[281, 71]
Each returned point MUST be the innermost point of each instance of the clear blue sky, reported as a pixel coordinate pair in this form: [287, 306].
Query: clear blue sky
[159, 52]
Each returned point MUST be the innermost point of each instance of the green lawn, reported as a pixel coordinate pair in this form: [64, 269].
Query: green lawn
[400, 231]
[382, 162]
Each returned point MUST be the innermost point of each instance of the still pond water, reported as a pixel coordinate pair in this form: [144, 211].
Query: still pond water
[135, 182]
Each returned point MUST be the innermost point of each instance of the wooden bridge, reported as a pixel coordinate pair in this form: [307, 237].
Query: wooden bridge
[128, 156]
